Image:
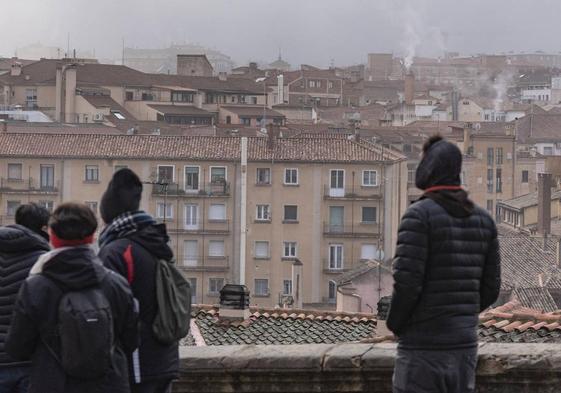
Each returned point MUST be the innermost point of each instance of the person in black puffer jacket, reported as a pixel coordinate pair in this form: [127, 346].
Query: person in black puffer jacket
[72, 268]
[446, 271]
[20, 247]
[131, 244]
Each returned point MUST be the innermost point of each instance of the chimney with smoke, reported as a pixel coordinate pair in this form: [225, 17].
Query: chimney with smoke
[544, 203]
[273, 133]
[409, 89]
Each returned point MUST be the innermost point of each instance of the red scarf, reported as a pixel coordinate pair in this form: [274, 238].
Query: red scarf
[442, 188]
[57, 242]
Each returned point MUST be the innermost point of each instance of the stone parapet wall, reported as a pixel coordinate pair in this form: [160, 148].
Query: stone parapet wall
[512, 368]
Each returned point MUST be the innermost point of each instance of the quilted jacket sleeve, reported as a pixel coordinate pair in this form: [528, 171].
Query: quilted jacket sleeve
[408, 268]
[491, 278]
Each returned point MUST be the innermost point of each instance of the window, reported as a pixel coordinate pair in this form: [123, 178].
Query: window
[147, 97]
[499, 155]
[337, 182]
[166, 173]
[263, 176]
[336, 219]
[217, 174]
[15, 171]
[216, 248]
[291, 176]
[291, 213]
[217, 212]
[31, 98]
[370, 178]
[11, 207]
[181, 96]
[47, 176]
[335, 257]
[92, 173]
[192, 178]
[193, 284]
[117, 114]
[368, 215]
[215, 285]
[489, 180]
[490, 154]
[312, 83]
[92, 206]
[330, 84]
[332, 292]
[289, 250]
[129, 95]
[246, 121]
[263, 213]
[548, 150]
[411, 170]
[190, 252]
[191, 213]
[261, 249]
[499, 181]
[228, 119]
[254, 100]
[49, 205]
[524, 176]
[261, 287]
[490, 205]
[287, 287]
[164, 210]
[368, 252]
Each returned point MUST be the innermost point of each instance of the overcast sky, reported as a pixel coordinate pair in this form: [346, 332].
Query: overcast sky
[308, 31]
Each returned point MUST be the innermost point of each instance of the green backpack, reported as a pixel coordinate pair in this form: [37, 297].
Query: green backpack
[173, 296]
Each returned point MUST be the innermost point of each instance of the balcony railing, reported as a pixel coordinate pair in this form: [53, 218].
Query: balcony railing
[351, 230]
[212, 189]
[332, 267]
[210, 227]
[207, 264]
[28, 186]
[355, 193]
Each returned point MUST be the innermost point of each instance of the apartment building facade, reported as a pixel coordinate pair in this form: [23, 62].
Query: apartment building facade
[329, 203]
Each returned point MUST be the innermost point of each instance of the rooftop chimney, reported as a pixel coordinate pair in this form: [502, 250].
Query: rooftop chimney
[234, 302]
[252, 66]
[297, 283]
[4, 126]
[409, 89]
[273, 133]
[383, 309]
[222, 76]
[15, 69]
[544, 203]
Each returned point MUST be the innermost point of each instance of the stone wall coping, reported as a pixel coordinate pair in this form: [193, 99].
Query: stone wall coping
[494, 358]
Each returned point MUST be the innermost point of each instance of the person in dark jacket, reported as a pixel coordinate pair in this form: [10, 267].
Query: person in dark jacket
[71, 267]
[446, 271]
[20, 247]
[131, 244]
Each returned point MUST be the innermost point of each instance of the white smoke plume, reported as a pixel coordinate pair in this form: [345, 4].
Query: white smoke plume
[412, 33]
[500, 85]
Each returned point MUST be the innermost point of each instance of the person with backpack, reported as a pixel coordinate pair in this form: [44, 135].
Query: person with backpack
[136, 247]
[20, 247]
[74, 319]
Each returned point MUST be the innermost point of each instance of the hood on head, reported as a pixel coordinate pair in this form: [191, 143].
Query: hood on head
[441, 165]
[17, 239]
[154, 239]
[122, 195]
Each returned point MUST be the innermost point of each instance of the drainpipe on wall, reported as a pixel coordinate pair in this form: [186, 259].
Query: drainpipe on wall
[243, 209]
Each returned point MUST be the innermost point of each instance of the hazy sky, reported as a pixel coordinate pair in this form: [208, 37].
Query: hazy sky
[308, 31]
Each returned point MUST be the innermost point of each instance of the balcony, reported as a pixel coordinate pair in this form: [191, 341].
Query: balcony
[210, 227]
[351, 230]
[207, 264]
[28, 186]
[329, 269]
[356, 193]
[213, 189]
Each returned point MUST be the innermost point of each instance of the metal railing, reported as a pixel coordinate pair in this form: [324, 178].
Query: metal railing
[204, 190]
[356, 192]
[28, 185]
[207, 264]
[208, 227]
[349, 230]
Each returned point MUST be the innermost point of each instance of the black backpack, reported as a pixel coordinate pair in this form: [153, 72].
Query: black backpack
[84, 334]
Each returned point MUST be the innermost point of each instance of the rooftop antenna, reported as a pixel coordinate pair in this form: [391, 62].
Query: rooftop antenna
[123, 53]
[68, 45]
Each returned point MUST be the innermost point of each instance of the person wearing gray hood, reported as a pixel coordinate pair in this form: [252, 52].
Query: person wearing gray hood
[446, 271]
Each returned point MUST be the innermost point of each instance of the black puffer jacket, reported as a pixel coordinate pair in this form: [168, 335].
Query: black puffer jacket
[447, 264]
[19, 249]
[36, 314]
[135, 257]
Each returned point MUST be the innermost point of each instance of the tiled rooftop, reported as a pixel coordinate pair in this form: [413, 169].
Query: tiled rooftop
[278, 326]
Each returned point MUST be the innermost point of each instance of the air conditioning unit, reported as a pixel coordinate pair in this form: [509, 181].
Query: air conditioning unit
[98, 116]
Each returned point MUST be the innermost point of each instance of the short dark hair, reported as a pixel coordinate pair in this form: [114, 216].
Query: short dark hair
[73, 221]
[32, 216]
[431, 141]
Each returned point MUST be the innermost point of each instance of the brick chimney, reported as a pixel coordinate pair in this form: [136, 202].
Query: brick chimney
[273, 132]
[409, 89]
[234, 303]
[15, 69]
[544, 203]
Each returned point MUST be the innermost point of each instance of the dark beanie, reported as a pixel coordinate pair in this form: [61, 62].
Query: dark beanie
[122, 195]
